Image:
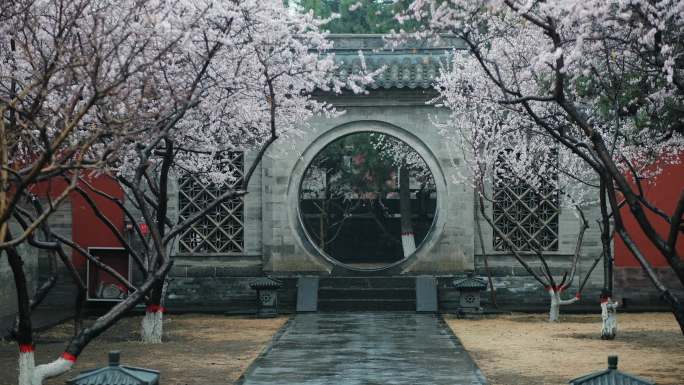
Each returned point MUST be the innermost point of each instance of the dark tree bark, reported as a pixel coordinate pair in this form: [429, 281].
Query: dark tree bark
[606, 242]
[23, 333]
[490, 281]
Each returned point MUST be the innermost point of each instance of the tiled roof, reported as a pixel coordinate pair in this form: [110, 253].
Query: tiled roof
[412, 64]
[401, 71]
[120, 375]
[265, 283]
[610, 376]
[470, 283]
[116, 374]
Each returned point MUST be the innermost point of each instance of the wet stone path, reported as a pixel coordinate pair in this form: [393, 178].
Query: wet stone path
[364, 349]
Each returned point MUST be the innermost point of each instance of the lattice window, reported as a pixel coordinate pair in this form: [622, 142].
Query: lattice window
[221, 231]
[528, 217]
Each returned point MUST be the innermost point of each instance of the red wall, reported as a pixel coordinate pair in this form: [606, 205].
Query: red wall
[663, 192]
[87, 229]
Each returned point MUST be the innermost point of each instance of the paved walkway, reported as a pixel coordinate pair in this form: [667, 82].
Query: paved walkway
[365, 349]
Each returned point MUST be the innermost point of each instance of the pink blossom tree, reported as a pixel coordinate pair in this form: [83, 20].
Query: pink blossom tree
[479, 131]
[139, 91]
[601, 80]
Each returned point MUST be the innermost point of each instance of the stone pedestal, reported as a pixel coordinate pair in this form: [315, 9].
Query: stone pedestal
[267, 296]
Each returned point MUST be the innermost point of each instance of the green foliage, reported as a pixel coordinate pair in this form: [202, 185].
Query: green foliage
[367, 162]
[357, 164]
[372, 16]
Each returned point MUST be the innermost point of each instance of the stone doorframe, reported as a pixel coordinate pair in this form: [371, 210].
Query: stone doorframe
[294, 214]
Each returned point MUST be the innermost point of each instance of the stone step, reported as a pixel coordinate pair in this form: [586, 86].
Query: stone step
[367, 293]
[368, 282]
[366, 305]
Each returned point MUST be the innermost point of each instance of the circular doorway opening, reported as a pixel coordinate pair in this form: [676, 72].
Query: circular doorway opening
[367, 200]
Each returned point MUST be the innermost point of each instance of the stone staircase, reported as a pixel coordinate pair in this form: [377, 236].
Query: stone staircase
[367, 294]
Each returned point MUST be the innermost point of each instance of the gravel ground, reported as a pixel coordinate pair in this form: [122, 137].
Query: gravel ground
[519, 349]
[198, 349]
[523, 349]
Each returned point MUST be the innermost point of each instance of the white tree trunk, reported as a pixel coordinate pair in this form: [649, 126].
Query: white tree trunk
[608, 319]
[408, 243]
[152, 325]
[554, 310]
[30, 374]
[27, 365]
[557, 302]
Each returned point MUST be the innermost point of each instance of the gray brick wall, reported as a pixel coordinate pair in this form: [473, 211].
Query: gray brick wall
[515, 286]
[633, 287]
[401, 113]
[197, 289]
[36, 267]
[64, 293]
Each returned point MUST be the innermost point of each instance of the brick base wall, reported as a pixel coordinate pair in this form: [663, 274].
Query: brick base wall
[633, 287]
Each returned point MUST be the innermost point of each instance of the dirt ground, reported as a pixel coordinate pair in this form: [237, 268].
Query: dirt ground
[198, 349]
[527, 350]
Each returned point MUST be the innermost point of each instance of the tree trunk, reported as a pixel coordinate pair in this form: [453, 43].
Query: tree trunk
[27, 364]
[408, 241]
[665, 293]
[492, 290]
[557, 302]
[152, 324]
[676, 306]
[554, 309]
[606, 241]
[608, 319]
[30, 374]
